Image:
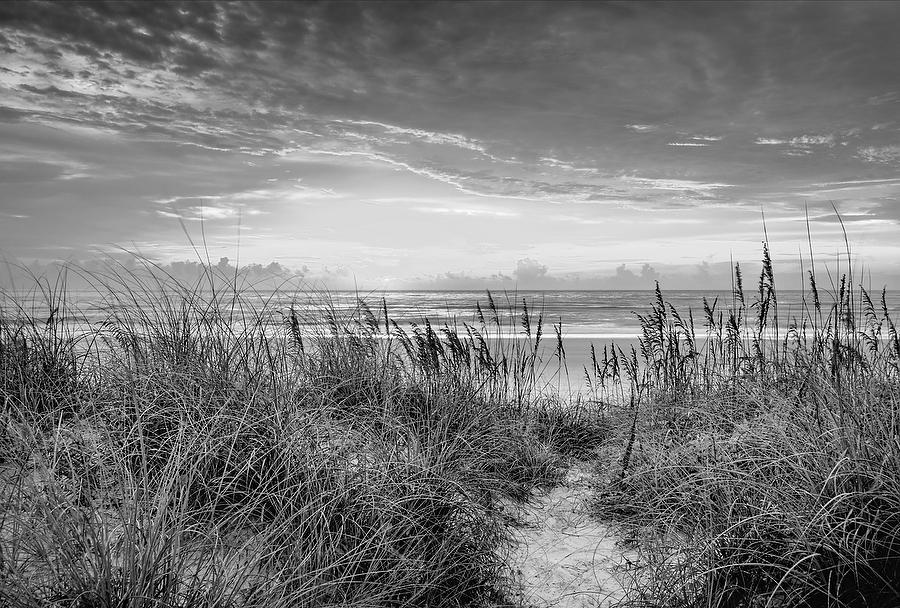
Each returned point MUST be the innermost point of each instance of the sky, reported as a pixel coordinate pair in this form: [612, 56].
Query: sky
[455, 145]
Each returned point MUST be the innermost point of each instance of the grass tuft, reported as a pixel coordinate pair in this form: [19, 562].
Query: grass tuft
[204, 446]
[757, 463]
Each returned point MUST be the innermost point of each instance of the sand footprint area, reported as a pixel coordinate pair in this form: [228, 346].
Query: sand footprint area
[563, 557]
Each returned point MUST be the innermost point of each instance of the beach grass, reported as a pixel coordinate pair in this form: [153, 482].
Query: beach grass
[200, 448]
[207, 445]
[758, 461]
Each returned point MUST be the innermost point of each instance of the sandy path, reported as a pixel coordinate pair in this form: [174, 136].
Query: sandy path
[564, 558]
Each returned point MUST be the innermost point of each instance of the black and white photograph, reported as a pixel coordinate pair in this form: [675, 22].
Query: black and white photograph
[489, 303]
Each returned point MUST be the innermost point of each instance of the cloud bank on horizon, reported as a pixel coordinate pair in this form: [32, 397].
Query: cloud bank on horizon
[452, 144]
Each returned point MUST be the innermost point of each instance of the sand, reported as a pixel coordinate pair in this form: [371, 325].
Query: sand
[563, 557]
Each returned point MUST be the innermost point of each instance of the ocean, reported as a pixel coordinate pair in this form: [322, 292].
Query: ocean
[585, 319]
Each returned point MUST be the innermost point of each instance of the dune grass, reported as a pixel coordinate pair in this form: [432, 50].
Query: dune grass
[758, 462]
[205, 445]
[201, 447]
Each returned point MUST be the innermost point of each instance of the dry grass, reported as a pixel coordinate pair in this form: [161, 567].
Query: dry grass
[200, 447]
[203, 446]
[758, 464]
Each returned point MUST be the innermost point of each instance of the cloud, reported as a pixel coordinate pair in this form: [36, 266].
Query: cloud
[138, 267]
[858, 183]
[25, 171]
[799, 141]
[813, 140]
[181, 208]
[582, 112]
[530, 271]
[625, 278]
[452, 139]
[638, 128]
[559, 164]
[15, 216]
[885, 155]
[683, 185]
[803, 145]
[532, 274]
[465, 211]
[890, 97]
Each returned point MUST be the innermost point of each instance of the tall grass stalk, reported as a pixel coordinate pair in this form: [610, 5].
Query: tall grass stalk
[759, 465]
[202, 446]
